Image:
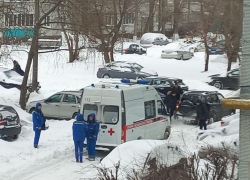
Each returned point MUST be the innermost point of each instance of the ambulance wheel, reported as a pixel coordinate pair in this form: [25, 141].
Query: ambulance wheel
[167, 133]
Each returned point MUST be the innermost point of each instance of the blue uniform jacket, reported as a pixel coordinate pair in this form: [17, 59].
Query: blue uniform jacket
[92, 128]
[38, 119]
[79, 128]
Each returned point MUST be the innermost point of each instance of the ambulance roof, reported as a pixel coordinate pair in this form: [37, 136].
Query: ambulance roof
[118, 85]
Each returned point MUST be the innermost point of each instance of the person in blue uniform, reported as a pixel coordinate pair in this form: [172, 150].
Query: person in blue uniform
[92, 133]
[79, 134]
[38, 123]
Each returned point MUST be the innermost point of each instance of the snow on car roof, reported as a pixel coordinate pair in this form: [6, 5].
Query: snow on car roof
[152, 36]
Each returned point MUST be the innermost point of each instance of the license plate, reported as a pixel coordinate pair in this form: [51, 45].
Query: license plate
[11, 122]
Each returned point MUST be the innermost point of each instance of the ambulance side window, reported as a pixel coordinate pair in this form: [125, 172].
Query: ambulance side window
[110, 114]
[150, 109]
[161, 108]
[88, 109]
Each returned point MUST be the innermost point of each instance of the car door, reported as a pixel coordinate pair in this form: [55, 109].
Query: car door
[225, 111]
[68, 106]
[51, 106]
[234, 79]
[216, 106]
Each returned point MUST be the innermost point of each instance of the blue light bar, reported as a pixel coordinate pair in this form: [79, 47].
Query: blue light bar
[134, 81]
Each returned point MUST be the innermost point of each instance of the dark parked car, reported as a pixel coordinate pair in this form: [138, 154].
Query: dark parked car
[11, 79]
[10, 126]
[130, 48]
[134, 49]
[124, 69]
[228, 81]
[213, 100]
[162, 84]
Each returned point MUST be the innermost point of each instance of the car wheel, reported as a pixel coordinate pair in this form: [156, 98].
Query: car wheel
[139, 138]
[15, 137]
[32, 110]
[106, 76]
[218, 85]
[74, 115]
[166, 134]
[212, 119]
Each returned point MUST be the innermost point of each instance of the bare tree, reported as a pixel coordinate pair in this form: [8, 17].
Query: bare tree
[32, 52]
[178, 7]
[232, 22]
[209, 15]
[149, 26]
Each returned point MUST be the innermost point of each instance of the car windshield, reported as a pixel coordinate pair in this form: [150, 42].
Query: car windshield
[161, 82]
[181, 83]
[191, 97]
[136, 66]
[89, 109]
[11, 74]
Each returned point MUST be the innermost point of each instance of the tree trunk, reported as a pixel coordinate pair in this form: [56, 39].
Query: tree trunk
[149, 26]
[177, 12]
[106, 56]
[136, 19]
[23, 93]
[206, 54]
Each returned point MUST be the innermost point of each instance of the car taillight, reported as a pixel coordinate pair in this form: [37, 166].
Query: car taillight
[222, 122]
[1, 122]
[100, 69]
[177, 106]
[125, 50]
[153, 43]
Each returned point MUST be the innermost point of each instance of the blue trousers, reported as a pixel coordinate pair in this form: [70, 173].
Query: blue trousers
[37, 137]
[91, 144]
[78, 150]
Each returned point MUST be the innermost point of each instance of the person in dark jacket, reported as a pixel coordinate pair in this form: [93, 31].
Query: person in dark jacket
[172, 104]
[178, 90]
[168, 96]
[202, 114]
[92, 133]
[17, 68]
[38, 122]
[79, 134]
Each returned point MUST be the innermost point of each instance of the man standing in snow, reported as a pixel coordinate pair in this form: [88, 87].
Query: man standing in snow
[92, 133]
[202, 114]
[178, 90]
[79, 134]
[172, 104]
[38, 123]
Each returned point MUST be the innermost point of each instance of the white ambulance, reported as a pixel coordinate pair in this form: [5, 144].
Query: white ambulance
[125, 112]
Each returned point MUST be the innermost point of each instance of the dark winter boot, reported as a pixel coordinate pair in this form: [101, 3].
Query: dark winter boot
[77, 160]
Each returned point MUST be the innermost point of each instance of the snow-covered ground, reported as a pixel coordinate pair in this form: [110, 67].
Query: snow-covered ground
[55, 157]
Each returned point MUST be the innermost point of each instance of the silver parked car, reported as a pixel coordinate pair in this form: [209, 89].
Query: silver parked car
[62, 105]
[180, 55]
[149, 39]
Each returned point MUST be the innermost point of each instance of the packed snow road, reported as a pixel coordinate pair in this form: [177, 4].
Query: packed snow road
[55, 157]
[61, 165]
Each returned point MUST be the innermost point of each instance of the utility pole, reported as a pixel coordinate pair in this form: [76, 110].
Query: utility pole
[243, 103]
[35, 59]
[244, 136]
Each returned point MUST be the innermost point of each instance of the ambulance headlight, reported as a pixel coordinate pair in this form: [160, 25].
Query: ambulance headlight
[114, 119]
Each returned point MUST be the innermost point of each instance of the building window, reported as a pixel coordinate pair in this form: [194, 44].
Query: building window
[150, 109]
[47, 21]
[129, 18]
[19, 20]
[109, 20]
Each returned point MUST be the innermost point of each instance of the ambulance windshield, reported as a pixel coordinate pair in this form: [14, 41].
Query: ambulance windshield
[110, 114]
[88, 109]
